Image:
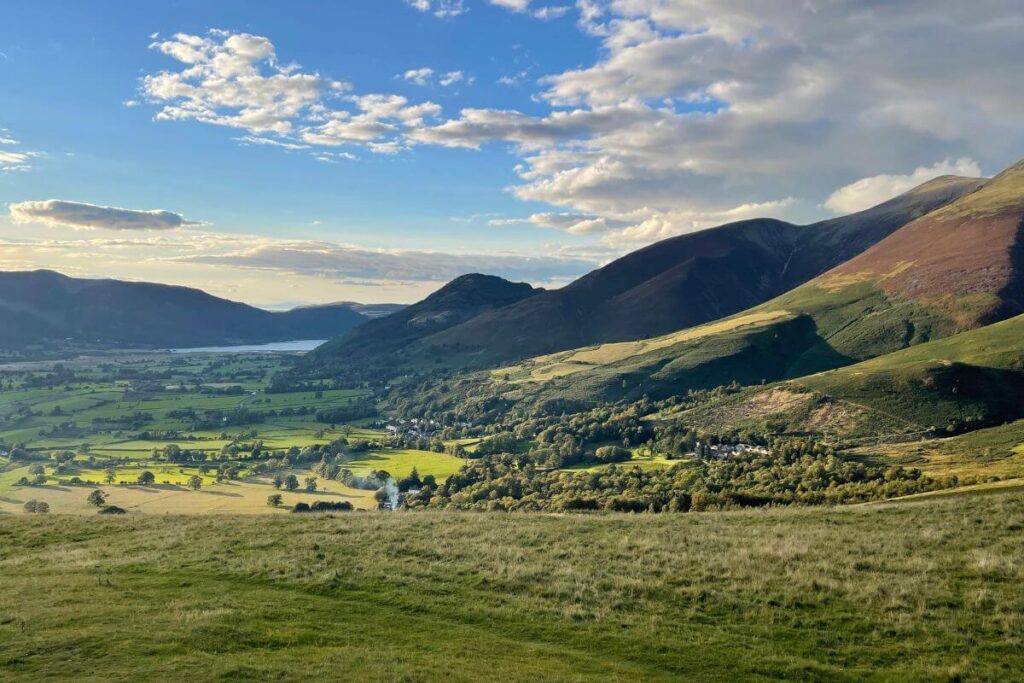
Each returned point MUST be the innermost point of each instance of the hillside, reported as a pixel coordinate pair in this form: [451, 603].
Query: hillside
[965, 382]
[384, 338]
[803, 593]
[43, 309]
[951, 270]
[688, 280]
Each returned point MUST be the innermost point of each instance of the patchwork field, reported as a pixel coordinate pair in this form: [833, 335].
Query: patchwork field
[82, 426]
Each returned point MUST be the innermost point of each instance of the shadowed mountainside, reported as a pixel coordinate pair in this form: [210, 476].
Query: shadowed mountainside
[40, 308]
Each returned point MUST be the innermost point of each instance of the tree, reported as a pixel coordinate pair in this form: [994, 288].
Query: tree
[146, 478]
[311, 484]
[275, 500]
[30, 506]
[110, 475]
[195, 482]
[36, 469]
[278, 481]
[42, 507]
[291, 482]
[97, 498]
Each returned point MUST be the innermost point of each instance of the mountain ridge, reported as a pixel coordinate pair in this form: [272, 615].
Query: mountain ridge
[43, 308]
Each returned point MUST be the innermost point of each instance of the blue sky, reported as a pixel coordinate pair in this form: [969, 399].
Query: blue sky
[534, 139]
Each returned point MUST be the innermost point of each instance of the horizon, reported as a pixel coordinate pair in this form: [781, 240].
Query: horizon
[305, 155]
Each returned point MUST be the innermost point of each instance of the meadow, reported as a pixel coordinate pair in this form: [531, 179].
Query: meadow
[919, 591]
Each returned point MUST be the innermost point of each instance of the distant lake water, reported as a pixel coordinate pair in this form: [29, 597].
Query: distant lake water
[299, 346]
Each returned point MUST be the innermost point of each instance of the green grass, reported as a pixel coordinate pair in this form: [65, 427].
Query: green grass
[921, 592]
[399, 463]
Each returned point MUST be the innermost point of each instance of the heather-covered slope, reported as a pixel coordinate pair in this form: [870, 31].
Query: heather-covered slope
[43, 308]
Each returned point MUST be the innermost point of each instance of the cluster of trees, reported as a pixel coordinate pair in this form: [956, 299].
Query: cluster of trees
[39, 507]
[324, 506]
[794, 472]
[356, 410]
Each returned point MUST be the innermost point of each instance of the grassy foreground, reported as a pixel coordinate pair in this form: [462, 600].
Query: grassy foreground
[917, 591]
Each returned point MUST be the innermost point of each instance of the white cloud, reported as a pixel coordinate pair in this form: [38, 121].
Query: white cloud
[513, 5]
[572, 223]
[442, 9]
[693, 112]
[699, 111]
[419, 76]
[257, 140]
[552, 13]
[868, 192]
[236, 80]
[233, 79]
[451, 78]
[89, 216]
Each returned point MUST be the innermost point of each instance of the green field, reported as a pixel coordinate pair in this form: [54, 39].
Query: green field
[921, 592]
[122, 413]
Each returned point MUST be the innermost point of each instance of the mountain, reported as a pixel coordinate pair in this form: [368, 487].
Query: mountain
[383, 339]
[673, 284]
[956, 268]
[46, 309]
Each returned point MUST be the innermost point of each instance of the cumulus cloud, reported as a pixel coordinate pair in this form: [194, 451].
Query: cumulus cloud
[572, 223]
[442, 9]
[90, 216]
[694, 111]
[236, 80]
[233, 79]
[698, 111]
[451, 78]
[419, 76]
[868, 192]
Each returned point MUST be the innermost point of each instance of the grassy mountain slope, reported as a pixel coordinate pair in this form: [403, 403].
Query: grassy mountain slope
[951, 270]
[41, 308]
[968, 381]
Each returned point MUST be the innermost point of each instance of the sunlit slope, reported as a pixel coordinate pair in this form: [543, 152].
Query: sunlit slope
[910, 288]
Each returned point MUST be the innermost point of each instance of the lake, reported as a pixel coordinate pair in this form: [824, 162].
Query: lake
[299, 346]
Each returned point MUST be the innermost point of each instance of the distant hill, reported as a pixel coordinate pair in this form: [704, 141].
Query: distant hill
[383, 339]
[44, 309]
[952, 270]
[673, 284]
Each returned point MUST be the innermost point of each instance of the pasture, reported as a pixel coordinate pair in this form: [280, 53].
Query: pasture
[902, 592]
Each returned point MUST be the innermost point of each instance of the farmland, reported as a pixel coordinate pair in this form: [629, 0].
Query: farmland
[69, 428]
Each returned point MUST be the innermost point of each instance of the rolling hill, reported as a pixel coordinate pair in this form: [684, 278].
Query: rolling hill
[44, 309]
[951, 270]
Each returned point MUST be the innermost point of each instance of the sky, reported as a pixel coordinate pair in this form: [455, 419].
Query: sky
[371, 150]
